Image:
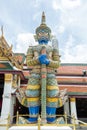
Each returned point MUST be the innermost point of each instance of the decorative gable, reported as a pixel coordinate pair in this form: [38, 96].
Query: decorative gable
[6, 54]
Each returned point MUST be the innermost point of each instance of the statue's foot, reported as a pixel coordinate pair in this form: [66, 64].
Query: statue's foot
[22, 120]
[32, 120]
[59, 120]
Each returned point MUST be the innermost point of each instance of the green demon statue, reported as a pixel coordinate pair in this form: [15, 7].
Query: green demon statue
[42, 89]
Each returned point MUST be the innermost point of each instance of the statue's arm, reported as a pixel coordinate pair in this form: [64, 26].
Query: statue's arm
[30, 59]
[55, 62]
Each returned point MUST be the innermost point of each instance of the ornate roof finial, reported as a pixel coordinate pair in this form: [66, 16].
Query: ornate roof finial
[43, 18]
[2, 30]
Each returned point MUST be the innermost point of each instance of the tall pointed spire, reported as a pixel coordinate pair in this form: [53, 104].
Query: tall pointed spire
[43, 28]
[43, 20]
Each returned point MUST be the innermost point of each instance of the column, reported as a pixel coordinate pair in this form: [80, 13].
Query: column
[19, 80]
[73, 108]
[66, 108]
[7, 100]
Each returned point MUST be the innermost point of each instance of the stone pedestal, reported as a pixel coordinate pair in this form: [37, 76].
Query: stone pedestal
[42, 128]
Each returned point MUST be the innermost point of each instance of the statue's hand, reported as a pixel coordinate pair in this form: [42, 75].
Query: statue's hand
[43, 59]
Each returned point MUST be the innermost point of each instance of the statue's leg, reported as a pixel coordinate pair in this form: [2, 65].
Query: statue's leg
[33, 111]
[33, 97]
[52, 97]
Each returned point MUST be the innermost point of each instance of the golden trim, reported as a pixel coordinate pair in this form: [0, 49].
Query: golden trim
[72, 99]
[3, 59]
[52, 99]
[8, 77]
[23, 100]
[7, 51]
[33, 99]
[52, 87]
[60, 102]
[33, 87]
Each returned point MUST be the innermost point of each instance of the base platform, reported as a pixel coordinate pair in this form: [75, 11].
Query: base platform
[42, 128]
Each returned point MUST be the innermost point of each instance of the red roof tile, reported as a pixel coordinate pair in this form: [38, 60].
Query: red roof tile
[71, 79]
[72, 69]
[74, 88]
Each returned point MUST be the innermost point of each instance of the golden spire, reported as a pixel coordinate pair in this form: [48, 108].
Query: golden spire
[43, 20]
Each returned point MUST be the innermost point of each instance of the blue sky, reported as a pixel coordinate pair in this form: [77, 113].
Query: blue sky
[66, 18]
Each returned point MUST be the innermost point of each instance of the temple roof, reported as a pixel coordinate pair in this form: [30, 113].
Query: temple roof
[70, 76]
[5, 66]
[6, 54]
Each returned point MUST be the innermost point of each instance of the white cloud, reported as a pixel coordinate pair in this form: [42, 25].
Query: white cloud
[61, 29]
[24, 40]
[74, 53]
[70, 18]
[56, 5]
[37, 3]
[65, 4]
[36, 16]
[70, 3]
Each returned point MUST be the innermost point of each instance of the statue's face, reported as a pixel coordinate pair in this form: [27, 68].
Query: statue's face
[43, 37]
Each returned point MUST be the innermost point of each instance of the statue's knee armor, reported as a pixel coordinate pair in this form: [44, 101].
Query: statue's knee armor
[32, 91]
[33, 88]
[52, 86]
